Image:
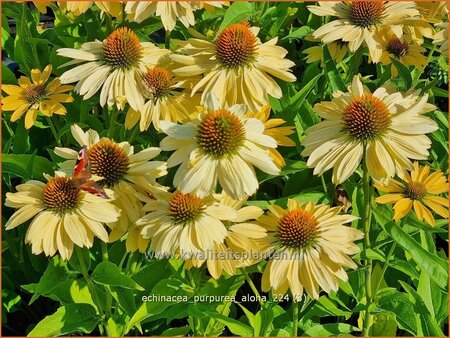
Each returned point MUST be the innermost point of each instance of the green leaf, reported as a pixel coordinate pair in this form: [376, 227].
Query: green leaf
[298, 33]
[433, 297]
[399, 304]
[237, 12]
[236, 327]
[279, 333]
[263, 321]
[331, 71]
[108, 273]
[427, 325]
[326, 330]
[166, 288]
[26, 166]
[8, 76]
[434, 266]
[71, 318]
[404, 72]
[176, 332]
[297, 100]
[384, 324]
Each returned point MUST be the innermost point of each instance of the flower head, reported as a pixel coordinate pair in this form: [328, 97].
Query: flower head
[114, 65]
[132, 176]
[359, 21]
[401, 49]
[63, 215]
[388, 128]
[237, 67]
[169, 11]
[220, 146]
[31, 97]
[417, 191]
[167, 99]
[312, 245]
[184, 224]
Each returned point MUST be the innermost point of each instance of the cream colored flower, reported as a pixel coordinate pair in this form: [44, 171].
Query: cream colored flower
[169, 11]
[184, 224]
[220, 146]
[76, 8]
[441, 37]
[241, 246]
[114, 65]
[132, 176]
[388, 130]
[237, 67]
[167, 99]
[310, 245]
[358, 21]
[63, 215]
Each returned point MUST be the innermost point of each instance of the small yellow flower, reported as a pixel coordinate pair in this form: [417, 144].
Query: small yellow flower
[418, 191]
[31, 97]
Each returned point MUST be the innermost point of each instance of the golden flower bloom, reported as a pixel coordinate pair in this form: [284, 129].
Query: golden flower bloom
[237, 67]
[272, 128]
[167, 99]
[132, 176]
[113, 65]
[402, 49]
[417, 191]
[389, 128]
[63, 215]
[359, 21]
[169, 11]
[30, 97]
[310, 245]
[184, 224]
[221, 145]
[240, 247]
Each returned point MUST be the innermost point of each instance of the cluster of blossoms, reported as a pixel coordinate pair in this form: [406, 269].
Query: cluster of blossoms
[210, 98]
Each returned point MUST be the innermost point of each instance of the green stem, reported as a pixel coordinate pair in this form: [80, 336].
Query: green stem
[366, 244]
[252, 286]
[105, 256]
[89, 283]
[295, 306]
[167, 40]
[386, 265]
[324, 185]
[53, 129]
[28, 31]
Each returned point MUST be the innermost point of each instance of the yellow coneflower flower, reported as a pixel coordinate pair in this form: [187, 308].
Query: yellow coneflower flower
[169, 11]
[132, 176]
[237, 67]
[240, 247]
[184, 224]
[359, 21]
[389, 128]
[310, 245]
[338, 50]
[221, 145]
[76, 8]
[29, 98]
[431, 12]
[113, 65]
[167, 99]
[402, 49]
[272, 128]
[418, 191]
[63, 215]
